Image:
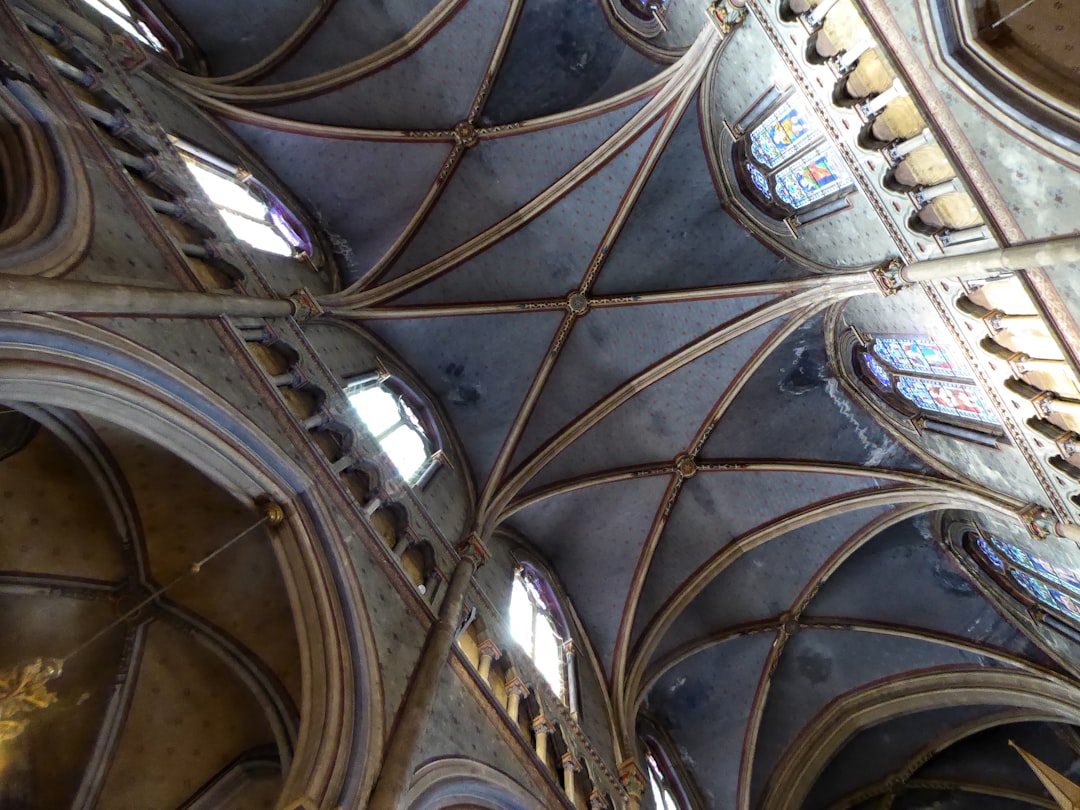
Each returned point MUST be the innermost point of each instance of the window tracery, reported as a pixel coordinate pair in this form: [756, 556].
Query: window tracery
[396, 419]
[253, 213]
[919, 377]
[1052, 587]
[536, 624]
[138, 21]
[785, 164]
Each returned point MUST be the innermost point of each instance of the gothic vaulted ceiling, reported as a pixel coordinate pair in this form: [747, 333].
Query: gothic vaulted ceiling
[641, 387]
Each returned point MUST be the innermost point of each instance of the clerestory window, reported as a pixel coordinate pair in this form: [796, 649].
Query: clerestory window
[662, 782]
[139, 22]
[397, 420]
[920, 378]
[536, 625]
[253, 213]
[784, 162]
[1052, 587]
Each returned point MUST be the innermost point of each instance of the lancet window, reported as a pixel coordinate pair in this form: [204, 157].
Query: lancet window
[1054, 588]
[920, 378]
[784, 162]
[136, 20]
[666, 793]
[399, 422]
[537, 625]
[253, 213]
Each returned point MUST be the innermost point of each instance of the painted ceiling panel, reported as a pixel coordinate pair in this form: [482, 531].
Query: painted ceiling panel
[366, 216]
[598, 529]
[715, 508]
[351, 30]
[678, 236]
[903, 577]
[609, 346]
[432, 88]
[873, 755]
[818, 666]
[497, 177]
[459, 357]
[837, 429]
[705, 703]
[231, 37]
[684, 19]
[563, 56]
[764, 583]
[661, 422]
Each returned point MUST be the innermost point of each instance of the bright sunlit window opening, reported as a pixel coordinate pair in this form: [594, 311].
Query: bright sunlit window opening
[533, 627]
[253, 214]
[664, 797]
[394, 425]
[128, 21]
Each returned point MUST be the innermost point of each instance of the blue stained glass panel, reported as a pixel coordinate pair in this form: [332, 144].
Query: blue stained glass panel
[759, 180]
[1033, 586]
[918, 354]
[991, 555]
[813, 178]
[1065, 603]
[781, 134]
[1013, 553]
[879, 371]
[951, 399]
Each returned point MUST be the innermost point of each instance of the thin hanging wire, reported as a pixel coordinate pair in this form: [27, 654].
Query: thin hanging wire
[194, 569]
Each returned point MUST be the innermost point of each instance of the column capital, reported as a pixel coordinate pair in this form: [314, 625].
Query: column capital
[631, 778]
[568, 647]
[541, 725]
[515, 687]
[597, 801]
[727, 15]
[887, 277]
[305, 305]
[571, 762]
[1039, 522]
[490, 649]
[472, 547]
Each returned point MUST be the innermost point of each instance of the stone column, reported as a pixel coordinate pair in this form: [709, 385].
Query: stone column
[1045, 253]
[571, 678]
[633, 782]
[27, 294]
[489, 652]
[570, 766]
[542, 729]
[400, 751]
[515, 692]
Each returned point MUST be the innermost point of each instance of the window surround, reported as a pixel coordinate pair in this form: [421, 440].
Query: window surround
[278, 217]
[551, 610]
[751, 172]
[137, 19]
[663, 776]
[883, 378]
[425, 422]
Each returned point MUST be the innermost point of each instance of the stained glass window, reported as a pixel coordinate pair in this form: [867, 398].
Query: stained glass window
[782, 134]
[1053, 586]
[533, 626]
[394, 425]
[916, 354]
[879, 371]
[813, 178]
[928, 376]
[760, 181]
[949, 398]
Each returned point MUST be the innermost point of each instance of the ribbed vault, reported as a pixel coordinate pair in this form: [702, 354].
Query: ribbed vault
[524, 209]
